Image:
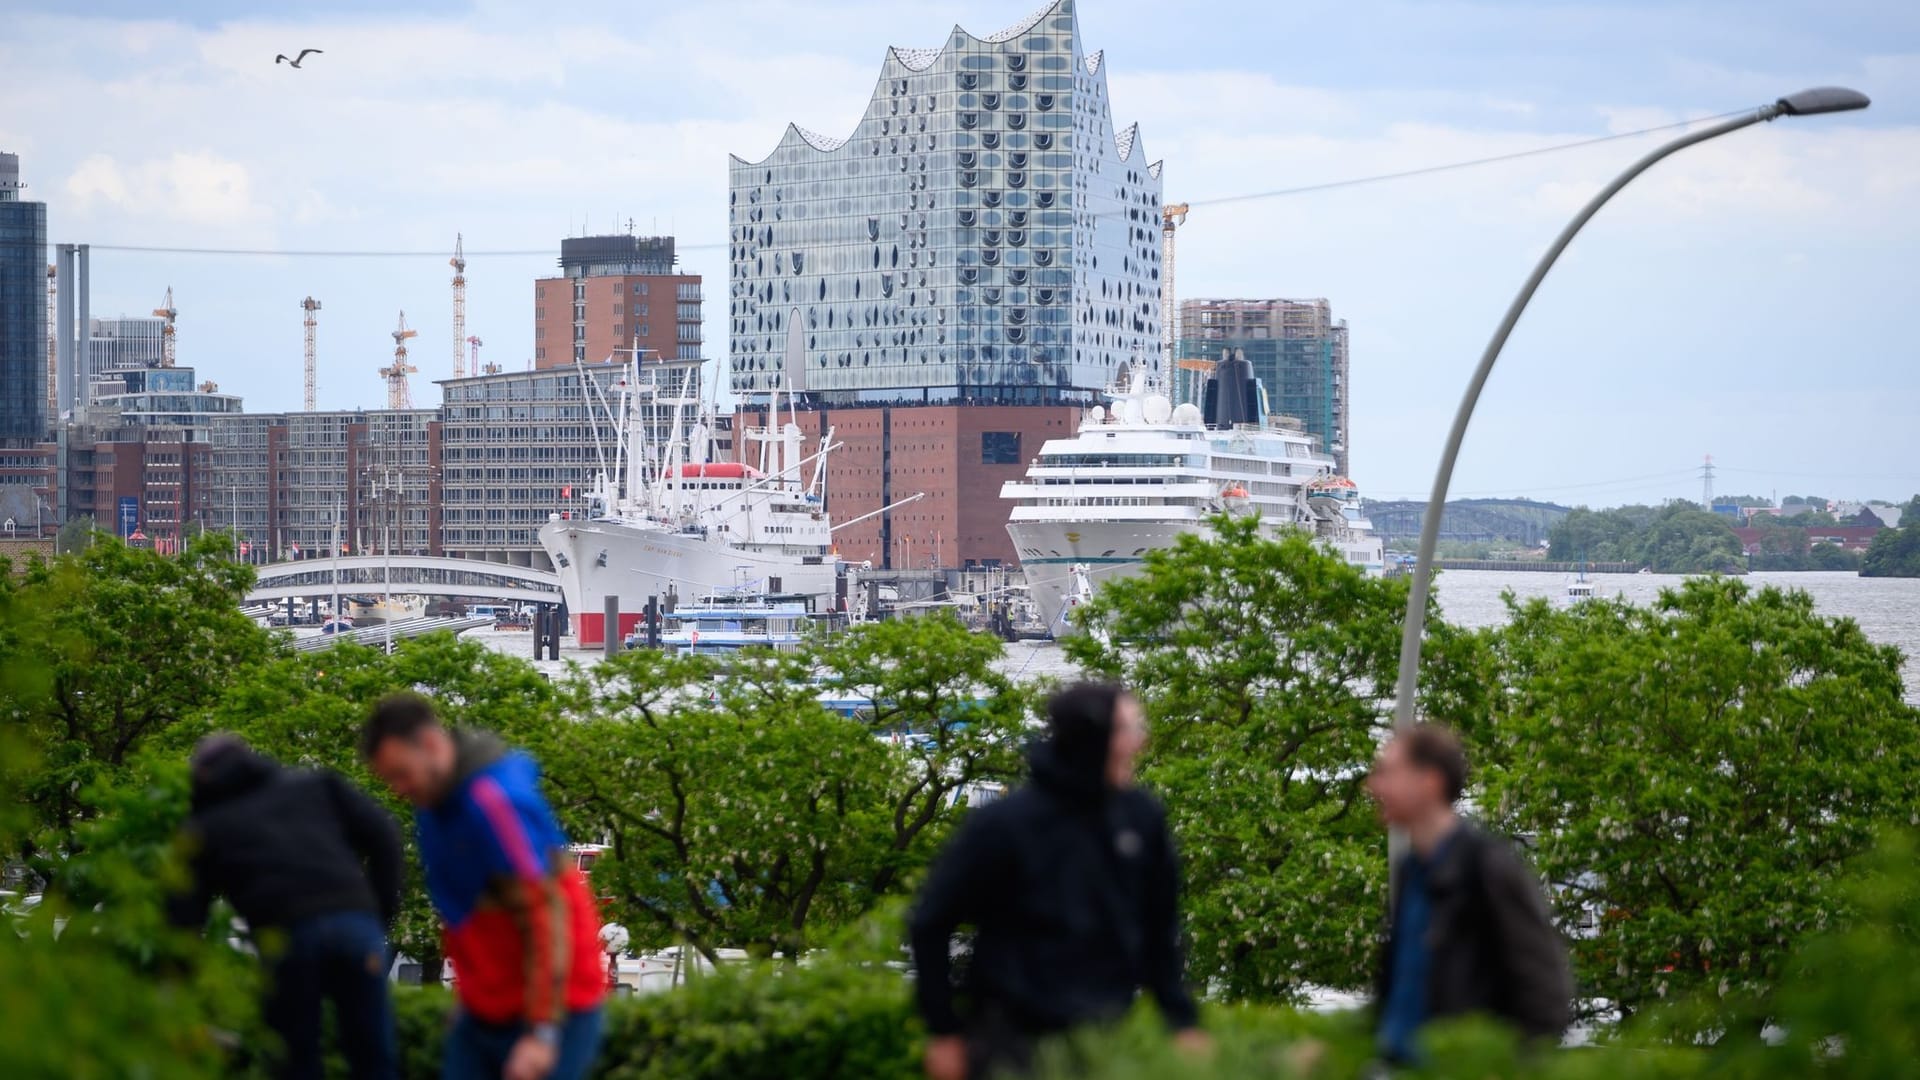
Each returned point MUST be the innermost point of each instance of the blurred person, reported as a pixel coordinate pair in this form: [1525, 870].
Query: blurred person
[314, 867]
[1071, 883]
[1469, 930]
[518, 919]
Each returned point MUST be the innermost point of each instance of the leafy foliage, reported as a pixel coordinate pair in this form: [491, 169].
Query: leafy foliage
[1693, 774]
[1896, 552]
[742, 812]
[1678, 538]
[1267, 667]
[107, 648]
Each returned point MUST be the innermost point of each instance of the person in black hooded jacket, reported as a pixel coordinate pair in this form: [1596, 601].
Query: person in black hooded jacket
[314, 867]
[1071, 883]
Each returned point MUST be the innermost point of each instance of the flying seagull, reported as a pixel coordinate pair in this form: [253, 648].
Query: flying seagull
[295, 62]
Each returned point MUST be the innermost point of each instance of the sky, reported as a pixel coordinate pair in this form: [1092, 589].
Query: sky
[1749, 299]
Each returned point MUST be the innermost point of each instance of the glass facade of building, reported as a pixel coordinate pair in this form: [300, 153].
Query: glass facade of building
[118, 344]
[984, 235]
[23, 311]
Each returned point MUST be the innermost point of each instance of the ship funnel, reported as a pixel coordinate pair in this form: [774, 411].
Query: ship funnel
[1233, 394]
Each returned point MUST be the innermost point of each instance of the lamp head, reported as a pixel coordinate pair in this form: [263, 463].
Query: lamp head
[1822, 99]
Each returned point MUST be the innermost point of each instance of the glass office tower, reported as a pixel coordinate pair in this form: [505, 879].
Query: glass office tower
[23, 311]
[985, 235]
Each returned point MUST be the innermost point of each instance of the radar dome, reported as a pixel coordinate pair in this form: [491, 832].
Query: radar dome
[1096, 415]
[1186, 414]
[1157, 408]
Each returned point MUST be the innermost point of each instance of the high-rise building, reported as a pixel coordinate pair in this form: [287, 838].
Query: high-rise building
[1298, 351]
[616, 293]
[985, 235]
[123, 343]
[23, 312]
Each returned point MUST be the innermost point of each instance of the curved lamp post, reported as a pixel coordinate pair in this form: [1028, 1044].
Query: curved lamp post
[1823, 99]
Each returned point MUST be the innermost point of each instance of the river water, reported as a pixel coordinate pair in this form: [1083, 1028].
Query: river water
[1887, 609]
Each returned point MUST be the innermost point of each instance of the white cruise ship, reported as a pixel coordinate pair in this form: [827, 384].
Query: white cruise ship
[1142, 471]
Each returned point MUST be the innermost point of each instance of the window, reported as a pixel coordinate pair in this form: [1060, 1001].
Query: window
[999, 448]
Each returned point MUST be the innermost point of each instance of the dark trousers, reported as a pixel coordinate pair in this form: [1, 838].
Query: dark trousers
[339, 957]
[998, 1048]
[477, 1050]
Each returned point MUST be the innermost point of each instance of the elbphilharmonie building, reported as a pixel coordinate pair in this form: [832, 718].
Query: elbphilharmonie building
[985, 235]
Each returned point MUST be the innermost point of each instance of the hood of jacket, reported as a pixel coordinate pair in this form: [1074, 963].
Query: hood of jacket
[227, 772]
[1072, 760]
[477, 751]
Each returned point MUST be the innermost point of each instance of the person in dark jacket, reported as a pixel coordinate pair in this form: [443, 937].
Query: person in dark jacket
[1469, 930]
[314, 867]
[1071, 883]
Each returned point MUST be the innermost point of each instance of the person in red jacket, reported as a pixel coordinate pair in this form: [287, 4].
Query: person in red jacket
[519, 921]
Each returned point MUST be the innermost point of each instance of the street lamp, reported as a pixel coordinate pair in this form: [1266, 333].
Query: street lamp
[1821, 99]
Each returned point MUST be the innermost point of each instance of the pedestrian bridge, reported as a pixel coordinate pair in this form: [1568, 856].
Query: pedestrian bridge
[419, 575]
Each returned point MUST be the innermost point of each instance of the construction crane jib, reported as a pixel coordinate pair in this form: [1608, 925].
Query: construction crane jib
[310, 324]
[398, 394]
[459, 264]
[1172, 216]
[168, 313]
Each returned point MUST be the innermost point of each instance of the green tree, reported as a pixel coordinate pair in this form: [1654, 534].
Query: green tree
[121, 645]
[74, 535]
[1894, 552]
[1828, 556]
[1267, 668]
[1678, 538]
[932, 688]
[741, 812]
[1693, 774]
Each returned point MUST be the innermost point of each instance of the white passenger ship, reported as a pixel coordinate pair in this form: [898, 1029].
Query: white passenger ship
[668, 521]
[1143, 471]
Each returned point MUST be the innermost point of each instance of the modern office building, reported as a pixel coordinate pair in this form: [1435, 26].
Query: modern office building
[157, 397]
[985, 234]
[1298, 351]
[24, 420]
[295, 485]
[123, 343]
[615, 294]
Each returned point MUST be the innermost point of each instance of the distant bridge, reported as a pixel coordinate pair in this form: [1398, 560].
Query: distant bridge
[414, 575]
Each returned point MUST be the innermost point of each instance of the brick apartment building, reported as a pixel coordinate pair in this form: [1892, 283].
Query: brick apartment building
[615, 294]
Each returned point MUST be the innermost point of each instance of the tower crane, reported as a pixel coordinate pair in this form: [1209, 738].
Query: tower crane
[310, 305]
[1172, 216]
[474, 343]
[398, 396]
[459, 264]
[166, 332]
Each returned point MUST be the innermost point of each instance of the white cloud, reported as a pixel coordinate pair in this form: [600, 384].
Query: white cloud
[199, 189]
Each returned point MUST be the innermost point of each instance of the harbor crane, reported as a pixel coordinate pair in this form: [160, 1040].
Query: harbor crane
[398, 394]
[168, 313]
[310, 323]
[1172, 216]
[459, 264]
